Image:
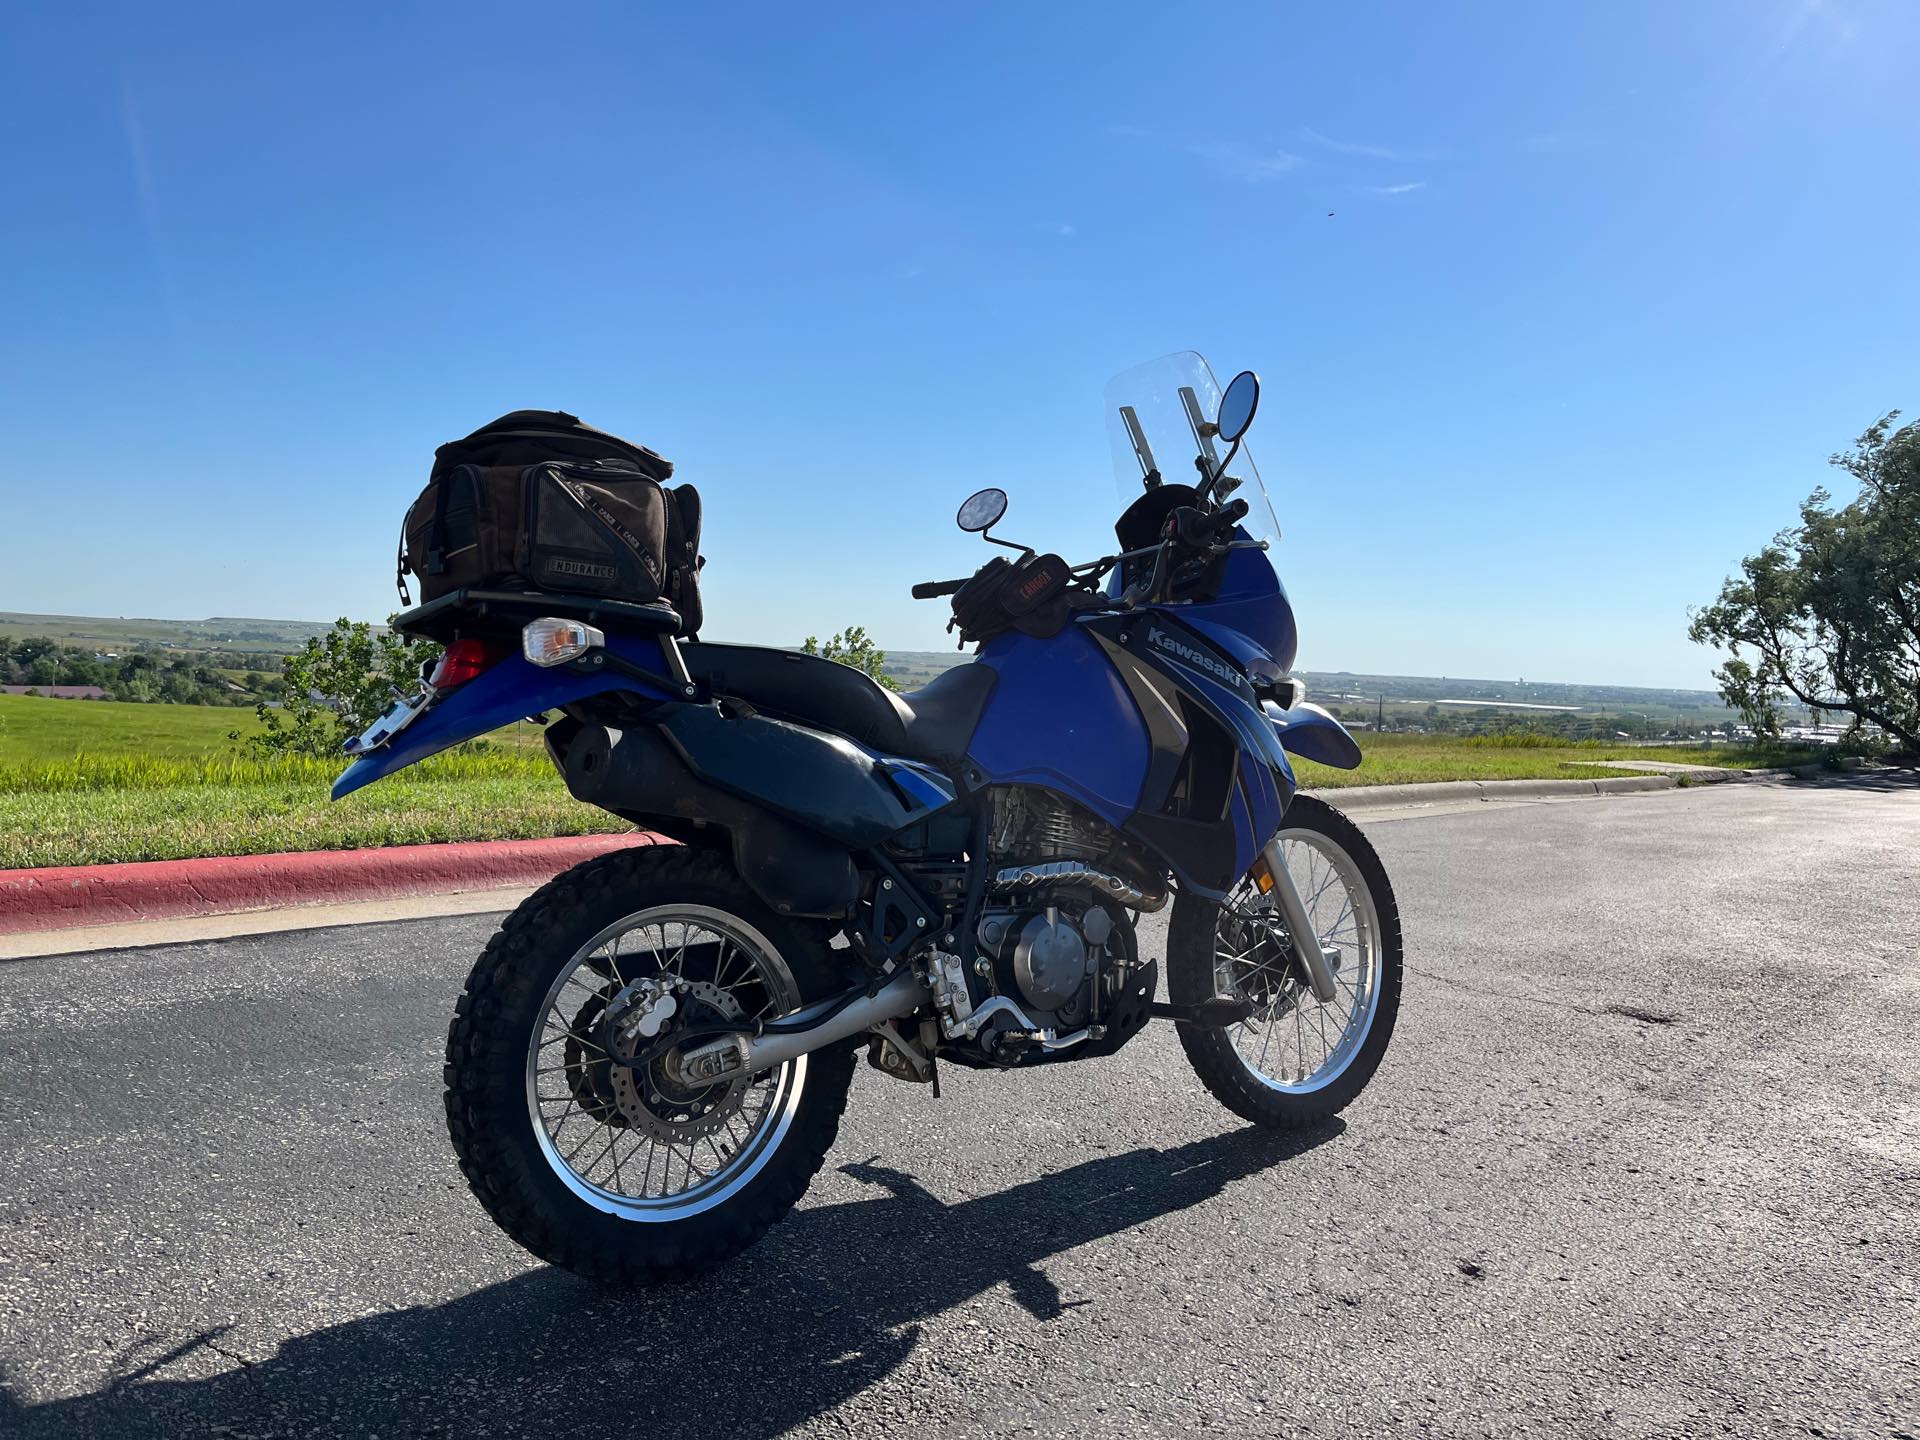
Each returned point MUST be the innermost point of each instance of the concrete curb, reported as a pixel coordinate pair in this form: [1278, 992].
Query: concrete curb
[1441, 792]
[65, 897]
[70, 897]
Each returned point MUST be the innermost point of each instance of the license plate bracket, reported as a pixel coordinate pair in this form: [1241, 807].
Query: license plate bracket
[403, 713]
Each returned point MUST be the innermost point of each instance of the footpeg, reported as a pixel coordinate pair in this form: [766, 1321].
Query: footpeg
[1214, 1014]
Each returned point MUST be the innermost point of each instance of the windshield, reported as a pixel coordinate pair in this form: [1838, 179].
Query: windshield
[1151, 412]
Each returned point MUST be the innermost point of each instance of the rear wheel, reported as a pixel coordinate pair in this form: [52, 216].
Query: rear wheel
[625, 1172]
[1295, 1061]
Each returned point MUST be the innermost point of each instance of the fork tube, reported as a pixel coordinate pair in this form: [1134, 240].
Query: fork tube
[1306, 945]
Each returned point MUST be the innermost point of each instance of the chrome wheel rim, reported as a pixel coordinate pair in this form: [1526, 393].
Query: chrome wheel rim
[1293, 1043]
[641, 1148]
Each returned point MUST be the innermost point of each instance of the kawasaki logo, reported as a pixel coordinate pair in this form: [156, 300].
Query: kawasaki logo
[1199, 659]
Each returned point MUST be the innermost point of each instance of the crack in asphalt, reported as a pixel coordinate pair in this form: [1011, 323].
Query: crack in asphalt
[1621, 1009]
[1488, 994]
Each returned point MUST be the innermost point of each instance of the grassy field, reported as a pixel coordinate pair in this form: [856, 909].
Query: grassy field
[136, 808]
[85, 781]
[33, 728]
[1405, 759]
[90, 781]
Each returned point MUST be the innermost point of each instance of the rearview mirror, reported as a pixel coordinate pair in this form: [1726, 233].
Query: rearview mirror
[982, 510]
[1237, 406]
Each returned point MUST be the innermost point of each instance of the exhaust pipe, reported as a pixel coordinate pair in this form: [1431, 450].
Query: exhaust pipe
[900, 996]
[1018, 879]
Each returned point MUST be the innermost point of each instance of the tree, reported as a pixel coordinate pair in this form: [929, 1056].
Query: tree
[337, 685]
[853, 646]
[1829, 613]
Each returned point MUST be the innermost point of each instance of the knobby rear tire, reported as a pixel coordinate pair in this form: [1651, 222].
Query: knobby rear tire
[1191, 978]
[487, 1107]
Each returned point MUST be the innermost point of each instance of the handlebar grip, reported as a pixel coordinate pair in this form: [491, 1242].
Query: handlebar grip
[932, 589]
[1233, 512]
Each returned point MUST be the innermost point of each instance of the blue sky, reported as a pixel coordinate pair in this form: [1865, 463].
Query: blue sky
[1600, 288]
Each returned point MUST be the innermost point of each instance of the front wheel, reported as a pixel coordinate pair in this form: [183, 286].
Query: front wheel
[628, 1173]
[1295, 1062]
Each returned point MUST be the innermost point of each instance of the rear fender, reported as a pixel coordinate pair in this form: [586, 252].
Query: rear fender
[1311, 733]
[509, 691]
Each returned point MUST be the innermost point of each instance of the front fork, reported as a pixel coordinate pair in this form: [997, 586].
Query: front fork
[1315, 963]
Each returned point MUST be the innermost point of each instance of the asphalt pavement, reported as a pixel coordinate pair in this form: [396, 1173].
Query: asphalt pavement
[1644, 1159]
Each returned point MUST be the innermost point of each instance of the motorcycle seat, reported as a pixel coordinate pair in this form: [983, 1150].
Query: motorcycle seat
[934, 723]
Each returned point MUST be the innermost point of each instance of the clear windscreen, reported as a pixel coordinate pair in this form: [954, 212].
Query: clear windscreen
[1154, 415]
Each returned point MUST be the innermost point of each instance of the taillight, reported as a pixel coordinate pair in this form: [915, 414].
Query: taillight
[462, 661]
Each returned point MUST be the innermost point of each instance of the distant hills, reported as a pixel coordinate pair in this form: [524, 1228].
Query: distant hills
[1398, 696]
[217, 633]
[1353, 689]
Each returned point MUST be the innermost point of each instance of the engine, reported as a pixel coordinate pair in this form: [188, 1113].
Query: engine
[1054, 937]
[1049, 958]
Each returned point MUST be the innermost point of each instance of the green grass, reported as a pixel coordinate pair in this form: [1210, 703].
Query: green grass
[132, 807]
[1407, 759]
[35, 728]
[83, 782]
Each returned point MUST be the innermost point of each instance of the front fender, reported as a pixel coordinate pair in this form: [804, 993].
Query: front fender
[1311, 733]
[509, 691]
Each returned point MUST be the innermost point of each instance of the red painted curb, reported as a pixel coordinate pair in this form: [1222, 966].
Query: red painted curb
[62, 897]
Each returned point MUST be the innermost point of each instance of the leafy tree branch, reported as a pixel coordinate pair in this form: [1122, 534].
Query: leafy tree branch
[337, 685]
[1829, 612]
[853, 646]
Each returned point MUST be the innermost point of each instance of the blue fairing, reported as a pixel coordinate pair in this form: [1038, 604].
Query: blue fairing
[1313, 734]
[1062, 717]
[509, 691]
[1252, 604]
[1266, 787]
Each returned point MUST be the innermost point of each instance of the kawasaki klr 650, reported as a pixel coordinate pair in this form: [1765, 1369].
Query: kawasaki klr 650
[651, 1057]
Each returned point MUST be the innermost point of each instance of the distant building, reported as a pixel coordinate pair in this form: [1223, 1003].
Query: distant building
[57, 692]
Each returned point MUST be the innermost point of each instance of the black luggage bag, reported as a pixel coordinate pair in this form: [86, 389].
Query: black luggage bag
[537, 501]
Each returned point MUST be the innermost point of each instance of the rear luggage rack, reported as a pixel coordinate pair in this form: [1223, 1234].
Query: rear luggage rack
[505, 612]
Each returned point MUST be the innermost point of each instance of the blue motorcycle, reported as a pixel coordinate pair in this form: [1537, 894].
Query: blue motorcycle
[651, 1057]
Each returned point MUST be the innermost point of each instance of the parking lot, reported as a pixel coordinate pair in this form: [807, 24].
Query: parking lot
[1644, 1159]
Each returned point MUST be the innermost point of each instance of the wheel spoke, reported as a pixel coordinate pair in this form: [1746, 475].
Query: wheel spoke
[573, 1096]
[1252, 958]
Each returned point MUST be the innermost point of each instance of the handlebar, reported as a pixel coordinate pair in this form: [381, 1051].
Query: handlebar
[1203, 533]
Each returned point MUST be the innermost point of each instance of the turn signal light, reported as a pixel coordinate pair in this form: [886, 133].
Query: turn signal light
[462, 661]
[550, 641]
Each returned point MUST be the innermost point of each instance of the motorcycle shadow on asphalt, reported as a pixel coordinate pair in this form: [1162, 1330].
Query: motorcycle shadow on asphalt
[827, 1305]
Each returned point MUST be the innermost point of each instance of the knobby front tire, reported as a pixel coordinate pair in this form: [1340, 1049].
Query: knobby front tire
[1295, 1063]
